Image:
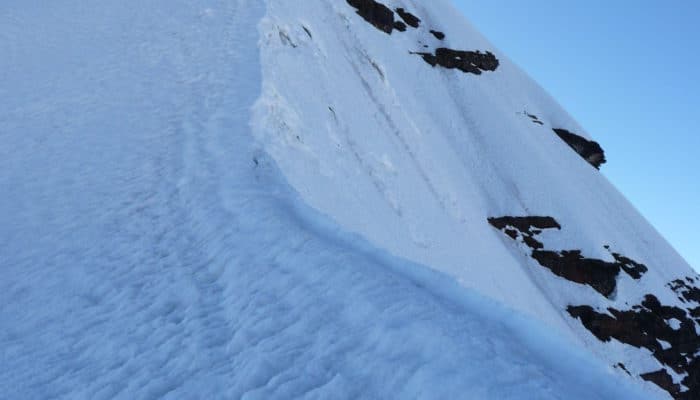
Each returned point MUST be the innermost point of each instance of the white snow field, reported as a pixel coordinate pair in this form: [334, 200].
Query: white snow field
[271, 199]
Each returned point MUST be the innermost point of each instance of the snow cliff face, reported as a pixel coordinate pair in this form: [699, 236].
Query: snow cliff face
[403, 124]
[317, 199]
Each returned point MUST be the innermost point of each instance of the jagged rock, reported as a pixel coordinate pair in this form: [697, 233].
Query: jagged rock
[408, 18]
[400, 26]
[663, 380]
[382, 17]
[534, 119]
[569, 264]
[623, 367]
[525, 224]
[438, 35]
[631, 267]
[695, 313]
[529, 227]
[685, 290]
[375, 13]
[643, 326]
[589, 150]
[466, 61]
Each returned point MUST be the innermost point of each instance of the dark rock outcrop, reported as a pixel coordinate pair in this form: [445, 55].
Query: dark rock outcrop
[622, 367]
[686, 291]
[598, 274]
[648, 325]
[473, 62]
[400, 26]
[529, 225]
[383, 18]
[408, 18]
[589, 150]
[663, 380]
[569, 264]
[438, 35]
[668, 332]
[534, 119]
[631, 267]
[375, 13]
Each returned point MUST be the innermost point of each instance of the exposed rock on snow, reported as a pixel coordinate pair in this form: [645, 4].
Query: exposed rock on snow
[375, 13]
[644, 326]
[568, 264]
[408, 18]
[686, 290]
[668, 332]
[528, 227]
[589, 150]
[664, 380]
[572, 266]
[622, 367]
[438, 35]
[466, 61]
[382, 17]
[631, 267]
[400, 26]
[534, 118]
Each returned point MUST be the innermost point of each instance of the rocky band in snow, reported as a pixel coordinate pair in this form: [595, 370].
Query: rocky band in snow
[383, 18]
[569, 264]
[668, 332]
[473, 62]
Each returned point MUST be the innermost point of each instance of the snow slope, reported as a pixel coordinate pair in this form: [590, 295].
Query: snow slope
[182, 216]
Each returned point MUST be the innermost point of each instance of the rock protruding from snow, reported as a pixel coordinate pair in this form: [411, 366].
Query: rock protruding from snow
[408, 18]
[528, 227]
[668, 332]
[375, 13]
[664, 380]
[383, 18]
[535, 119]
[685, 289]
[569, 264]
[589, 150]
[438, 35]
[473, 62]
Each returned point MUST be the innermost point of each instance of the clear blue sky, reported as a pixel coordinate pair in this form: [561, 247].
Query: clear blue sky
[629, 72]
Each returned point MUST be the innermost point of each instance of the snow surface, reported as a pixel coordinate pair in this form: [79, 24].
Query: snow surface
[156, 244]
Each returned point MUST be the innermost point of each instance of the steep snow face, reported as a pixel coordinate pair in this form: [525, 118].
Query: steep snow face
[400, 122]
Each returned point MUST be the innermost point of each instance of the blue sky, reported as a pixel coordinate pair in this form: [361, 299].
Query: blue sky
[628, 72]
